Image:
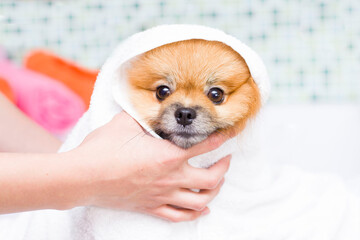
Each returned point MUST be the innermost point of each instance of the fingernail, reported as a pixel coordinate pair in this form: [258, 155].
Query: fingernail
[205, 211]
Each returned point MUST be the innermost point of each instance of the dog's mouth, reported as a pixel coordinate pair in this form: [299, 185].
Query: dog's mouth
[183, 139]
[163, 134]
[167, 136]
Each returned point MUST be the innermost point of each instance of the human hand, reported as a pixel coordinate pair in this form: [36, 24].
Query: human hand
[127, 169]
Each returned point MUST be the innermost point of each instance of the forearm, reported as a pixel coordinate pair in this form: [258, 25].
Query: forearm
[40, 181]
[18, 133]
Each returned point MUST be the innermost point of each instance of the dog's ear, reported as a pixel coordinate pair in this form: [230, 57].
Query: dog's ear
[252, 79]
[254, 97]
[249, 97]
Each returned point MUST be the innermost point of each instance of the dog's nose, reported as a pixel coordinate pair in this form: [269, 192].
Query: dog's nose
[185, 116]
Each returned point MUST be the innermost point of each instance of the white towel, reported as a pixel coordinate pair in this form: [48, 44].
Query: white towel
[257, 201]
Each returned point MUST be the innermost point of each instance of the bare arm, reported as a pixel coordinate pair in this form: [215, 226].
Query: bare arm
[38, 181]
[18, 133]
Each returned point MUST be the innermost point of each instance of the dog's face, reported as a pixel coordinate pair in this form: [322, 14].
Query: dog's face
[189, 89]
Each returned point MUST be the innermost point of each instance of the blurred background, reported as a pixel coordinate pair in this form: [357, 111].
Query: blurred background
[310, 47]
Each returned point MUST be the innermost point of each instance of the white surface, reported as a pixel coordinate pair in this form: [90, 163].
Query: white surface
[318, 138]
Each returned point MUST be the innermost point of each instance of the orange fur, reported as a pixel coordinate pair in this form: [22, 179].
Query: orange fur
[190, 68]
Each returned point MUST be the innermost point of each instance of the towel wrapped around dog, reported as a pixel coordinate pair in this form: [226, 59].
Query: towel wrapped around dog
[257, 201]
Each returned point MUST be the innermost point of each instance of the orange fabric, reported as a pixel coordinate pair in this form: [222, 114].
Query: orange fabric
[6, 90]
[77, 78]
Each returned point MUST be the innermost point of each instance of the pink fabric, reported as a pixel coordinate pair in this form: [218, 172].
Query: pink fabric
[47, 101]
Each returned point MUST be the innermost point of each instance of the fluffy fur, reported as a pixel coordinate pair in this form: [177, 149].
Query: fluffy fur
[190, 69]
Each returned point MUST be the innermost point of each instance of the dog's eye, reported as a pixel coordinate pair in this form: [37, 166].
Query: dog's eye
[216, 95]
[162, 92]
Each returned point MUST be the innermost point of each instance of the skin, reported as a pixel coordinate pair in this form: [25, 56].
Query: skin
[107, 170]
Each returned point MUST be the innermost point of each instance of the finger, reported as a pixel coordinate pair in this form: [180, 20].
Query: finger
[211, 143]
[201, 178]
[123, 118]
[189, 199]
[177, 214]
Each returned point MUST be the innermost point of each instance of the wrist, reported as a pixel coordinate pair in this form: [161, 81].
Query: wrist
[97, 180]
[75, 181]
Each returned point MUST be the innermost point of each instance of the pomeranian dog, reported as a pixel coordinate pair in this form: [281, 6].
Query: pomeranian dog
[184, 91]
[189, 89]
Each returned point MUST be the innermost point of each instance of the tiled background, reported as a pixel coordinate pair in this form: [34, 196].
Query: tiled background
[311, 47]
